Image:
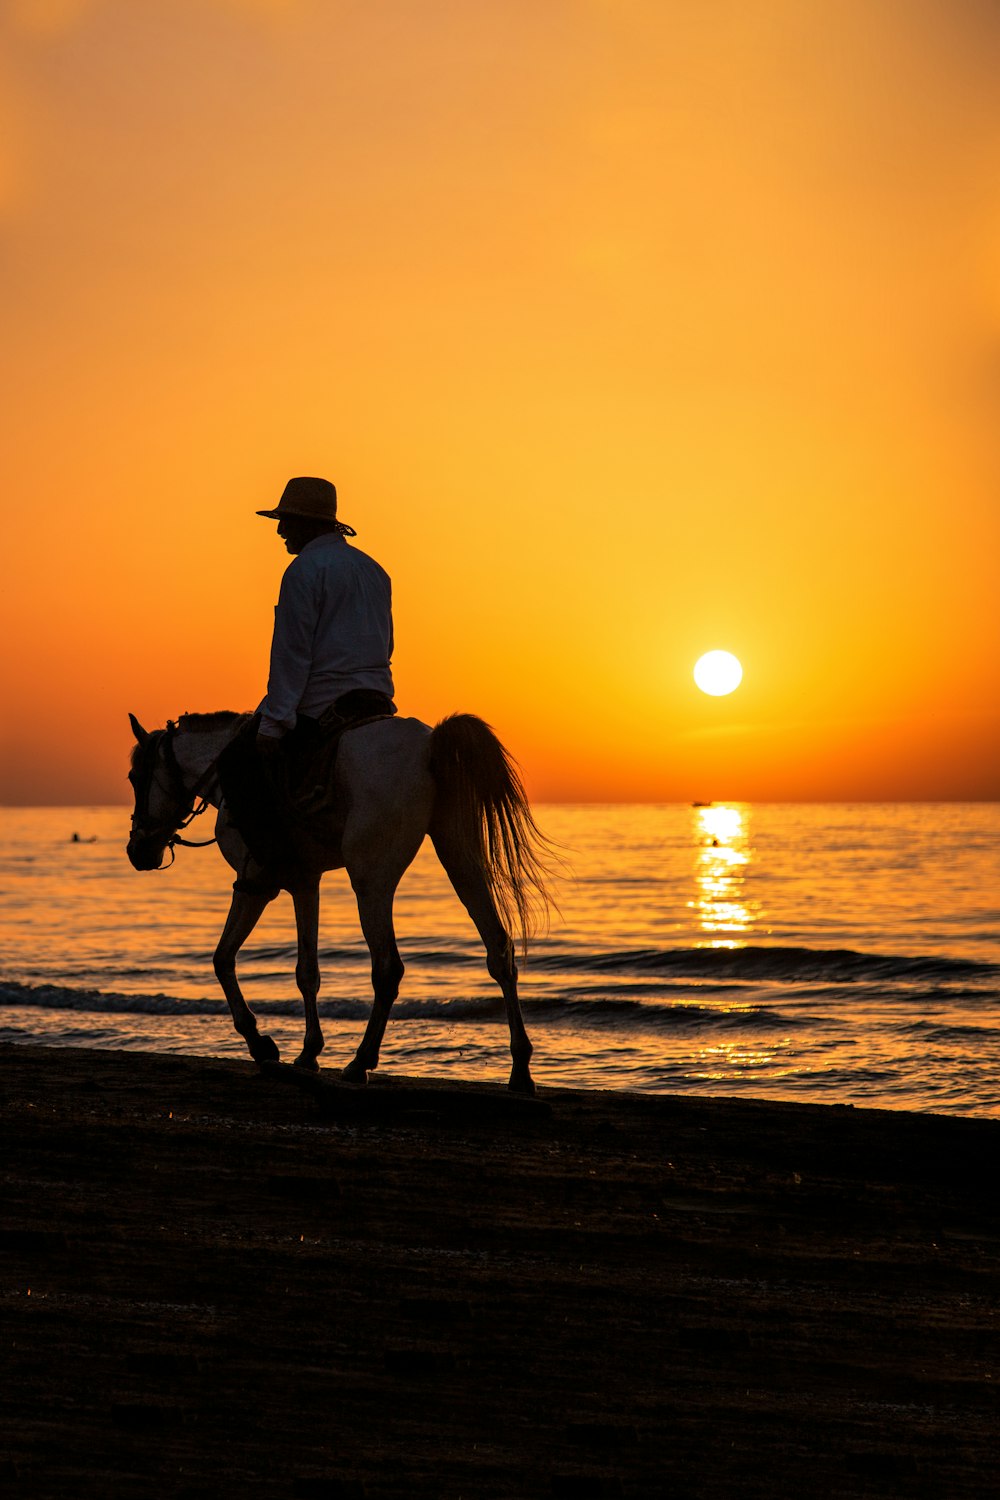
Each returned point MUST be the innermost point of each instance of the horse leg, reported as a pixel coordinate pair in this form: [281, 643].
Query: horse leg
[244, 914]
[306, 904]
[375, 911]
[474, 893]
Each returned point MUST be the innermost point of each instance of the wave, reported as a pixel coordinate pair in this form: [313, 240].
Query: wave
[748, 964]
[602, 1013]
[724, 965]
[753, 988]
[792, 965]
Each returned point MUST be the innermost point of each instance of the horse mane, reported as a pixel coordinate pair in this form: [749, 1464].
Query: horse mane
[223, 718]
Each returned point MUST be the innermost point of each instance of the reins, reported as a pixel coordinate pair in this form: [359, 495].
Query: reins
[192, 843]
[177, 776]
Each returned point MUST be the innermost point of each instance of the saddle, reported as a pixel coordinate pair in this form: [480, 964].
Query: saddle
[313, 753]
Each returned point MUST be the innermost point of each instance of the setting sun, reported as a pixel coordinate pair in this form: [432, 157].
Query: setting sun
[718, 673]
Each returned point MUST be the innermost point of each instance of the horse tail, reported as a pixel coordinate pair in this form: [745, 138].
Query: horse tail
[483, 820]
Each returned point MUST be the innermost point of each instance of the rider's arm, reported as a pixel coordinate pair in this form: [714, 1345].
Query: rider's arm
[291, 652]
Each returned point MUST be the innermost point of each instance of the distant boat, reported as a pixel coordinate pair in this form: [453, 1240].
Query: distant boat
[701, 804]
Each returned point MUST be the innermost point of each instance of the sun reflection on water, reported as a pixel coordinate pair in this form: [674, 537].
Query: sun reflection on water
[727, 1061]
[721, 838]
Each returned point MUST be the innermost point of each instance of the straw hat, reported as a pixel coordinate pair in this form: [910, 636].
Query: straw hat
[315, 498]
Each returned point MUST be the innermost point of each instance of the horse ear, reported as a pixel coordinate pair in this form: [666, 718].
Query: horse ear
[141, 734]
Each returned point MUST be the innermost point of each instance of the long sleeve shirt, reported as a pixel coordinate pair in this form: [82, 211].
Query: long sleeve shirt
[332, 632]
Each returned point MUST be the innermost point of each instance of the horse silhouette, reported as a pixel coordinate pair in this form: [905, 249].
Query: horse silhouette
[395, 780]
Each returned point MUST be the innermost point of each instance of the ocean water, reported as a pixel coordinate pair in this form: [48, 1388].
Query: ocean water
[834, 953]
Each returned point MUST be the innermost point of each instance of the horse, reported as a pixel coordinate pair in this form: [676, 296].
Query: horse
[395, 781]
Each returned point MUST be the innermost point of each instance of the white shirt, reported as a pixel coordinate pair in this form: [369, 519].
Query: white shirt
[332, 632]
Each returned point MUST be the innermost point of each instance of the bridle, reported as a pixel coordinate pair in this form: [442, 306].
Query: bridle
[144, 778]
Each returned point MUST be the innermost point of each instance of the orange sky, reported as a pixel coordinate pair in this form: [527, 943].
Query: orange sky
[626, 328]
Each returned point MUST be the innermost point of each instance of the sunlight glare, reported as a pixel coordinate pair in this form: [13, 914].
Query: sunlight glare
[723, 854]
[718, 673]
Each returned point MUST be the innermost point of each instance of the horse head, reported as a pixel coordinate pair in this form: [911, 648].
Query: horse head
[161, 800]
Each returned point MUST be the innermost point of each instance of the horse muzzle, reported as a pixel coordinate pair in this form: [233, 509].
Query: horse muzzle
[144, 852]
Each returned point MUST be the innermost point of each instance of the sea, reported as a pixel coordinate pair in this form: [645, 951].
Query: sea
[837, 954]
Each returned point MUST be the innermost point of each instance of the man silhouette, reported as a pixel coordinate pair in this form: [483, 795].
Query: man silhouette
[332, 643]
[330, 664]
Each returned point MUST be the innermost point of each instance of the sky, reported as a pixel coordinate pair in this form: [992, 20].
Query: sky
[627, 329]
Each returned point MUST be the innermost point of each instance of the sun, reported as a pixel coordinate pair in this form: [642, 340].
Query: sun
[718, 673]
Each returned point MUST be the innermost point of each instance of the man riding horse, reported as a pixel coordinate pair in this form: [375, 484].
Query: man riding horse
[288, 812]
[330, 665]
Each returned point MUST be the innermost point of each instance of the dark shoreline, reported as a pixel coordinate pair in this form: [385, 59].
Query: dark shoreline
[434, 1289]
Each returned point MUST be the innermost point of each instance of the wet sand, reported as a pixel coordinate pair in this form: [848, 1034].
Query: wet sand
[218, 1282]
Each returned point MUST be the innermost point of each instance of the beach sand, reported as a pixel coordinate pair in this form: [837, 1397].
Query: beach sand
[218, 1282]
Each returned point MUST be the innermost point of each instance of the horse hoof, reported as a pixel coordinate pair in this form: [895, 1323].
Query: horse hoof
[307, 1063]
[264, 1050]
[354, 1073]
[521, 1082]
